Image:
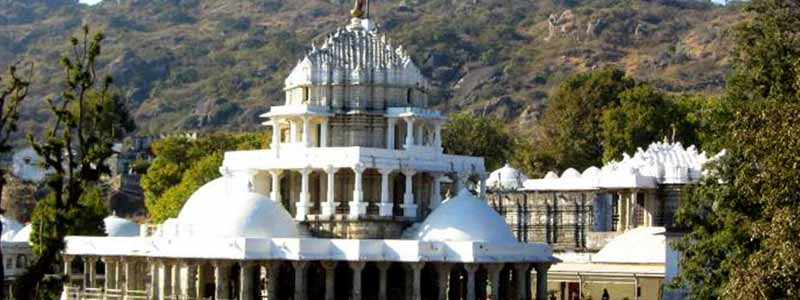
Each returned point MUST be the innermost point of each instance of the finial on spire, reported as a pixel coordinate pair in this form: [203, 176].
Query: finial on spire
[359, 10]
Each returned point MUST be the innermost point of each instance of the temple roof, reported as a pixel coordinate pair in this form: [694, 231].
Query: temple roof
[354, 55]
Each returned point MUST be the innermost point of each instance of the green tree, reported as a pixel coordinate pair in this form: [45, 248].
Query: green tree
[572, 121]
[467, 134]
[13, 91]
[85, 122]
[643, 115]
[743, 230]
[85, 219]
[169, 204]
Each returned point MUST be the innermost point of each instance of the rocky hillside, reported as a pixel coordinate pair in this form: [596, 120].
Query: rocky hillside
[209, 64]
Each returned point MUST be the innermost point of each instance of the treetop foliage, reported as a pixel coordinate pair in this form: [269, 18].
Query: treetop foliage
[468, 134]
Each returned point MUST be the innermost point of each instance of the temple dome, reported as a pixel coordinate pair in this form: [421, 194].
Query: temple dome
[10, 228]
[642, 245]
[23, 235]
[506, 178]
[116, 226]
[214, 211]
[465, 218]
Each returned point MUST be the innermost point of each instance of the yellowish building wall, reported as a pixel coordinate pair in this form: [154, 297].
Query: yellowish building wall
[618, 288]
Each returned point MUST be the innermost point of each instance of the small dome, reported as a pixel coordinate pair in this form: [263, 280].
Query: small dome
[506, 178]
[551, 175]
[23, 235]
[571, 173]
[465, 218]
[10, 228]
[591, 172]
[642, 245]
[116, 226]
[213, 211]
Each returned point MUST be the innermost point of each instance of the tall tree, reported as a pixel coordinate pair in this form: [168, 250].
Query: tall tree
[468, 134]
[572, 119]
[86, 120]
[743, 228]
[12, 93]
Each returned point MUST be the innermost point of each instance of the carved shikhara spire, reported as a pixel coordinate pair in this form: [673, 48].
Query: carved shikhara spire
[359, 11]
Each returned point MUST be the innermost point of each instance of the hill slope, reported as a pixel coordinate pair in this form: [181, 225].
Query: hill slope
[209, 64]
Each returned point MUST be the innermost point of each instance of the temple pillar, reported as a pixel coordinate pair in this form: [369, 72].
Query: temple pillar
[330, 279]
[221, 280]
[110, 276]
[323, 135]
[390, 133]
[541, 281]
[442, 273]
[482, 185]
[272, 279]
[164, 277]
[416, 279]
[155, 288]
[189, 284]
[357, 206]
[409, 208]
[409, 132]
[436, 190]
[383, 269]
[520, 274]
[306, 131]
[493, 271]
[437, 135]
[357, 267]
[67, 270]
[176, 278]
[386, 206]
[292, 131]
[89, 276]
[471, 269]
[329, 207]
[275, 190]
[300, 279]
[276, 135]
[246, 281]
[303, 204]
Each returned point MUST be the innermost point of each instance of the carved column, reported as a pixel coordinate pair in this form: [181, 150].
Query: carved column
[299, 279]
[493, 271]
[292, 131]
[541, 281]
[357, 267]
[358, 207]
[386, 205]
[275, 192]
[276, 135]
[437, 135]
[323, 135]
[409, 208]
[442, 272]
[246, 280]
[272, 279]
[221, 280]
[482, 185]
[303, 204]
[164, 277]
[67, 270]
[471, 269]
[390, 133]
[329, 207]
[109, 283]
[189, 284]
[330, 273]
[520, 274]
[409, 132]
[155, 288]
[436, 190]
[89, 276]
[176, 278]
[306, 131]
[383, 268]
[416, 277]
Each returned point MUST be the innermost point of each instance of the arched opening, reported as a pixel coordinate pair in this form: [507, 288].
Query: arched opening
[429, 282]
[370, 282]
[285, 280]
[343, 281]
[315, 280]
[396, 279]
